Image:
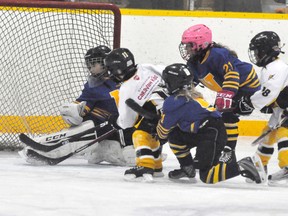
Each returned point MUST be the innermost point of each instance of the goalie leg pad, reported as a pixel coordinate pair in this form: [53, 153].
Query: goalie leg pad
[64, 134]
[111, 152]
[129, 155]
[33, 161]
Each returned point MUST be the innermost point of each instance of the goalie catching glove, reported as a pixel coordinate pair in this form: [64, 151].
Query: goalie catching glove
[72, 113]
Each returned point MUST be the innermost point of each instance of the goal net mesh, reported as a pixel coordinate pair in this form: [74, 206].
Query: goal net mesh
[42, 61]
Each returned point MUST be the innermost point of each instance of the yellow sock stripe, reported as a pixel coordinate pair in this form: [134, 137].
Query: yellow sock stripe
[231, 131]
[216, 174]
[210, 173]
[180, 154]
[232, 138]
[223, 171]
[231, 125]
[175, 146]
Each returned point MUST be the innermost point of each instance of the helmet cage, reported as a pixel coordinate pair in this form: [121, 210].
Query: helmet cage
[183, 52]
[196, 38]
[264, 48]
[91, 62]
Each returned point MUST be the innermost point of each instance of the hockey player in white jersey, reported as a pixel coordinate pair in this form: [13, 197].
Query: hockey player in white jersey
[142, 84]
[263, 51]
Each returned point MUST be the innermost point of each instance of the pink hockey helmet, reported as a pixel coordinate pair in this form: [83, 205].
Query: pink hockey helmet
[199, 36]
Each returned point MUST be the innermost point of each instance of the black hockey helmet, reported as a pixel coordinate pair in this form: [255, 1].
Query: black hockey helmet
[176, 77]
[120, 64]
[96, 55]
[264, 48]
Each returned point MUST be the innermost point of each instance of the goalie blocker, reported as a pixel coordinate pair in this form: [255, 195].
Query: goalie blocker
[74, 139]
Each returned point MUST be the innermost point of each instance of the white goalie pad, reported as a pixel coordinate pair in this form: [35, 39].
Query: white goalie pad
[110, 151]
[33, 161]
[65, 134]
[67, 148]
[72, 113]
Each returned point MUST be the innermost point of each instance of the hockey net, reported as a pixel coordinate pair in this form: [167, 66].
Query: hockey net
[42, 60]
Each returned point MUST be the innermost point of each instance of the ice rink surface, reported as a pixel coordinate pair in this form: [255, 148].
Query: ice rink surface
[74, 188]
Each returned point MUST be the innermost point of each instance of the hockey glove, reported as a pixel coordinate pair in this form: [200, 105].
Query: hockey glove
[285, 115]
[72, 113]
[282, 98]
[224, 100]
[112, 119]
[267, 110]
[244, 106]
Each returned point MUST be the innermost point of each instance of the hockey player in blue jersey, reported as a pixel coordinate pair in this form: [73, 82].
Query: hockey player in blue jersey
[100, 94]
[219, 69]
[188, 121]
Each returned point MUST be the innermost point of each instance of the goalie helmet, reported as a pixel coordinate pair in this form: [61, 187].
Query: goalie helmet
[120, 64]
[176, 77]
[264, 48]
[94, 60]
[194, 40]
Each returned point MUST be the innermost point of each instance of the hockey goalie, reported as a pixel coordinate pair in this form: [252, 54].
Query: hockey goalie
[90, 134]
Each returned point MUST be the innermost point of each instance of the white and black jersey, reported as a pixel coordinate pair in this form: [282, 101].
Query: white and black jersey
[273, 79]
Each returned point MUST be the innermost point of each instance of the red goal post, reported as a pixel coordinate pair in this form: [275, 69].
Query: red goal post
[43, 44]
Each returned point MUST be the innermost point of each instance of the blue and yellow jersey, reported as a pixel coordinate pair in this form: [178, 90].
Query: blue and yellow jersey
[219, 70]
[101, 100]
[185, 114]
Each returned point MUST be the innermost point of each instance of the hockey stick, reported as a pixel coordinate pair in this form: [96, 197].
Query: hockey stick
[46, 148]
[140, 110]
[54, 161]
[262, 136]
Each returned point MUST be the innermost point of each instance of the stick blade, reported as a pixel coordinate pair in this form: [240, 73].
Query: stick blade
[260, 138]
[46, 160]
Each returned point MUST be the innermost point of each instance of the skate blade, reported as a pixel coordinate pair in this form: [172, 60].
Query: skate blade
[184, 180]
[148, 178]
[249, 181]
[280, 183]
[260, 168]
[158, 174]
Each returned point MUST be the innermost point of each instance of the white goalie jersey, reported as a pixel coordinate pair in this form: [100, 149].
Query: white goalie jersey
[273, 79]
[140, 88]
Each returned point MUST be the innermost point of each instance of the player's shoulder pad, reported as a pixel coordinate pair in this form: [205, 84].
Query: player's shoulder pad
[171, 103]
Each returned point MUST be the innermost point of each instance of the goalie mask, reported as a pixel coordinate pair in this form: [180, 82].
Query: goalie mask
[264, 48]
[195, 40]
[94, 60]
[177, 77]
[120, 64]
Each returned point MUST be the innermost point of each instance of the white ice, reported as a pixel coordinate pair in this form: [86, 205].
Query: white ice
[75, 188]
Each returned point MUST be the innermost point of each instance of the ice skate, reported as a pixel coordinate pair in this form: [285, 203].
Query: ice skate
[262, 170]
[185, 174]
[249, 170]
[158, 173]
[279, 178]
[139, 173]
